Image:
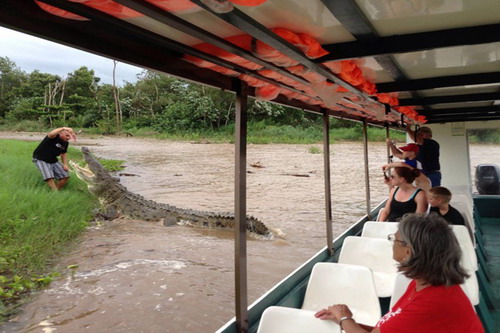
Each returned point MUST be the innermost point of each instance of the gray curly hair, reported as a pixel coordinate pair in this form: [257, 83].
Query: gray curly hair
[436, 254]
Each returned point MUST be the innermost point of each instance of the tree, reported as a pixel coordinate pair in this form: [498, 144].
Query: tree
[11, 77]
[82, 82]
[81, 91]
[153, 93]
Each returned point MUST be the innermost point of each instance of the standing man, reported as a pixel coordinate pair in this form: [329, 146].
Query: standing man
[45, 157]
[428, 154]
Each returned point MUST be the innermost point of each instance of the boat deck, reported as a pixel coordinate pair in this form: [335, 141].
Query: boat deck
[290, 292]
[488, 248]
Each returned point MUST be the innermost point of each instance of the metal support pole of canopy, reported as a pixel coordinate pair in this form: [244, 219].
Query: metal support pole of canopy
[387, 136]
[367, 171]
[328, 195]
[240, 246]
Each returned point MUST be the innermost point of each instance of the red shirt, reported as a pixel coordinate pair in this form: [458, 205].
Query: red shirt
[435, 309]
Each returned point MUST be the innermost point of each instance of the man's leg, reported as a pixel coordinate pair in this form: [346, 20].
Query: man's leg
[51, 183]
[62, 182]
[47, 173]
[62, 175]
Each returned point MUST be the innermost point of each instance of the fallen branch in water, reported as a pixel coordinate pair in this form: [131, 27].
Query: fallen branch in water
[294, 174]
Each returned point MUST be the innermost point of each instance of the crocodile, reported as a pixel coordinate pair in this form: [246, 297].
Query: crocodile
[117, 201]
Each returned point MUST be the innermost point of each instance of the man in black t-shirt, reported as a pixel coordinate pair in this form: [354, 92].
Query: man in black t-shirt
[45, 157]
[439, 199]
[428, 154]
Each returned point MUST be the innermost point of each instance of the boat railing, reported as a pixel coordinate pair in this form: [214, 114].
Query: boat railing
[290, 291]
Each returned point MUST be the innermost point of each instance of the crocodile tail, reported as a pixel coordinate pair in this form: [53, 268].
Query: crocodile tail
[256, 226]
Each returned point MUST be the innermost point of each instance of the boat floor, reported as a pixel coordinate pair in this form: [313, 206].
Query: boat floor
[488, 243]
[491, 237]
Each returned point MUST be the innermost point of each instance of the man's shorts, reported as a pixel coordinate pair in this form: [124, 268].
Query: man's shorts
[435, 177]
[51, 170]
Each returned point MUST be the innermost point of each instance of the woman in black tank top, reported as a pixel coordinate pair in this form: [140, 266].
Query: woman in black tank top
[404, 197]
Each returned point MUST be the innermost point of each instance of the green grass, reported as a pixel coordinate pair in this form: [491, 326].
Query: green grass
[112, 165]
[36, 224]
[263, 133]
[315, 150]
[259, 132]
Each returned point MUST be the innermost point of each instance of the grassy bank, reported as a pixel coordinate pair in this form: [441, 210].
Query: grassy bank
[258, 133]
[265, 133]
[36, 225]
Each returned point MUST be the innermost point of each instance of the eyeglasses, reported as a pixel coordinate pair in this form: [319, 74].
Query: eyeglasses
[392, 238]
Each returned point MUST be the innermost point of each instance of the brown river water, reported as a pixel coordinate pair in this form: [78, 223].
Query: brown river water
[137, 276]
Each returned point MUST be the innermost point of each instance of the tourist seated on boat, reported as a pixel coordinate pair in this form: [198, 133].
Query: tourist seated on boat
[404, 196]
[421, 181]
[427, 252]
[439, 198]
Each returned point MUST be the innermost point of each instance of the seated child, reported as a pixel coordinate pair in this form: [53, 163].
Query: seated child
[439, 199]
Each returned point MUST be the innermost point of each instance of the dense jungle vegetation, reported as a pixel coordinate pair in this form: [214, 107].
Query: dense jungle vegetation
[156, 105]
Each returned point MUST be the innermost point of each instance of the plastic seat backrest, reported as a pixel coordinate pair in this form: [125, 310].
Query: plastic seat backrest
[466, 199]
[400, 287]
[379, 229]
[281, 319]
[463, 208]
[375, 254]
[460, 189]
[471, 284]
[463, 237]
[332, 283]
[470, 288]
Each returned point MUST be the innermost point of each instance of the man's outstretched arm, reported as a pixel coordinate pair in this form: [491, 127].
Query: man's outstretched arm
[52, 134]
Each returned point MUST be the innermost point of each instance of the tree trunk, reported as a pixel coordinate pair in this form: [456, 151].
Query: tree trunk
[63, 89]
[228, 112]
[118, 110]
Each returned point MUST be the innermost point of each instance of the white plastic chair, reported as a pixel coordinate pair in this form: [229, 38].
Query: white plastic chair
[467, 213]
[375, 254]
[470, 288]
[379, 229]
[466, 245]
[400, 286]
[460, 189]
[471, 285]
[278, 319]
[466, 199]
[332, 283]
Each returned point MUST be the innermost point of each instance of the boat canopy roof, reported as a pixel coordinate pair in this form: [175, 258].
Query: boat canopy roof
[386, 62]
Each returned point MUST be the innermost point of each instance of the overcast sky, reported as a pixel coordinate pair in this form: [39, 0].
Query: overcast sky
[30, 53]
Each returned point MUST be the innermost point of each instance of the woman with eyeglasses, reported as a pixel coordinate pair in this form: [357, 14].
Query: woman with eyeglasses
[427, 252]
[404, 196]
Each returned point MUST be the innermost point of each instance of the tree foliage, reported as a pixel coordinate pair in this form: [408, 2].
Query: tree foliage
[11, 78]
[157, 101]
